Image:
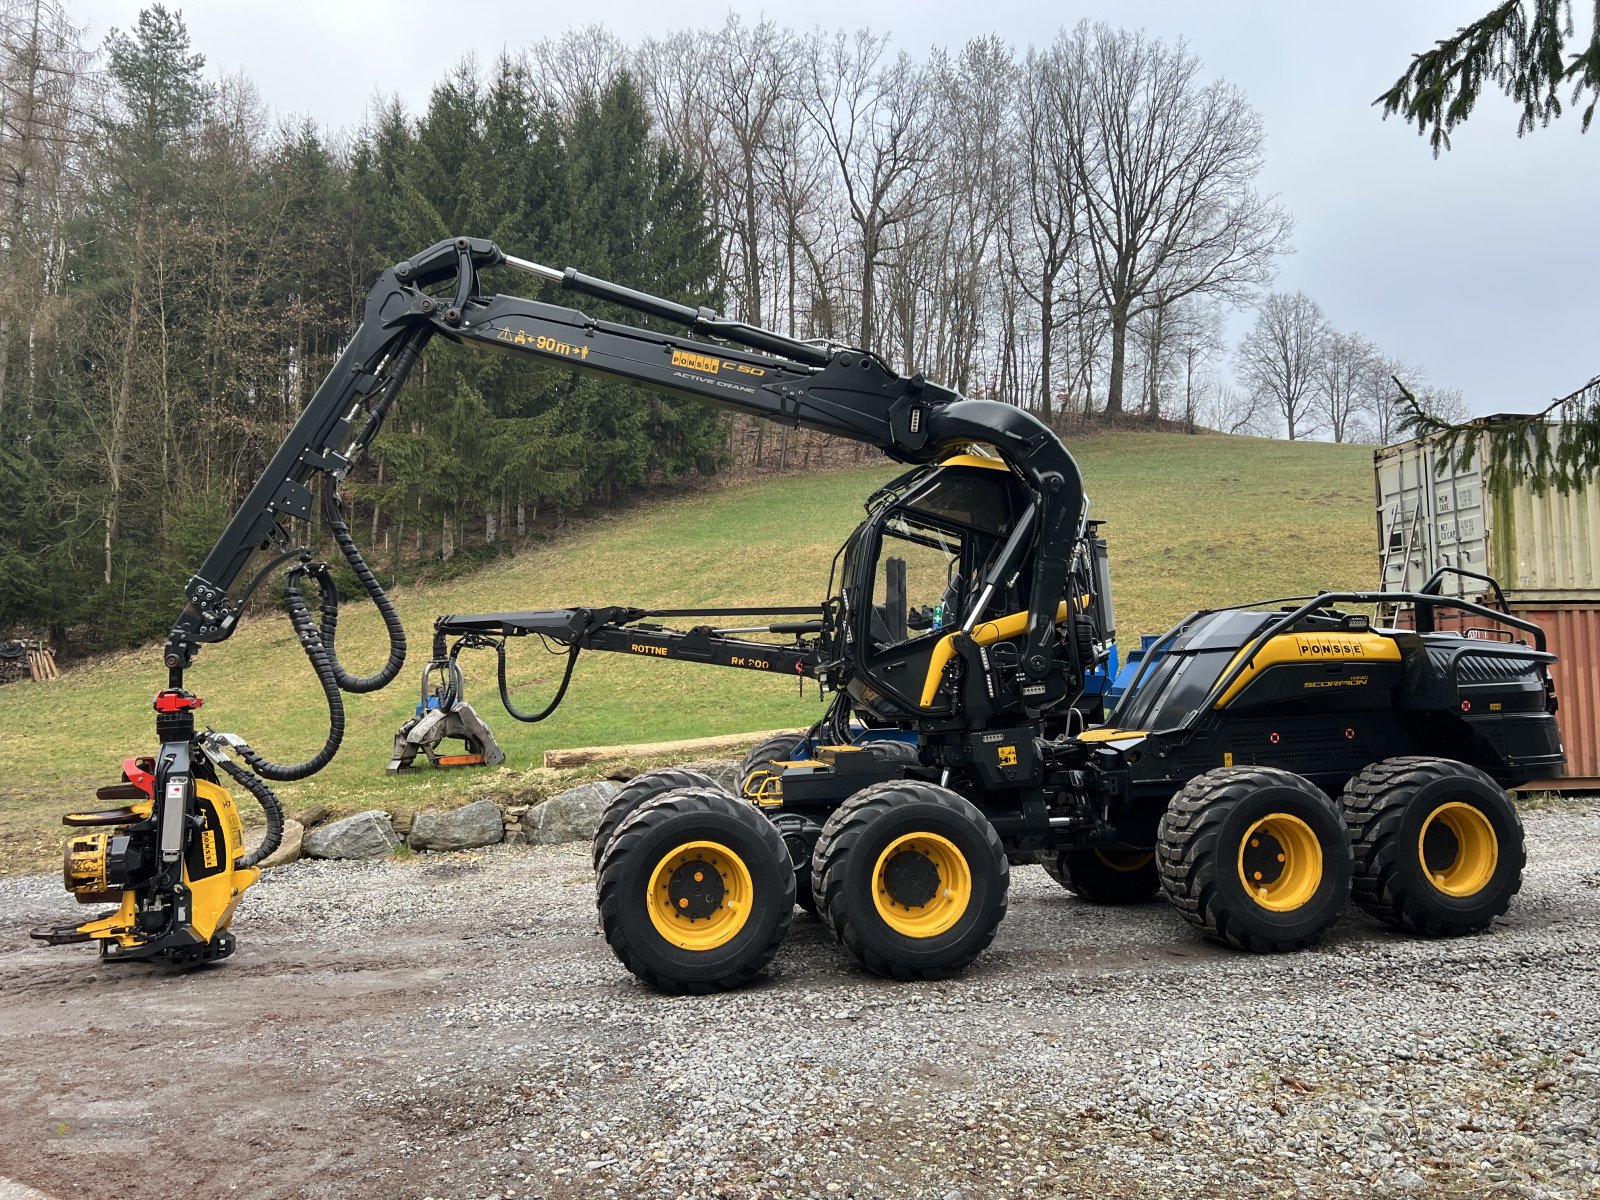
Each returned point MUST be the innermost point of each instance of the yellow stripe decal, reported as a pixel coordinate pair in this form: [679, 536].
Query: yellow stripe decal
[1309, 648]
[986, 633]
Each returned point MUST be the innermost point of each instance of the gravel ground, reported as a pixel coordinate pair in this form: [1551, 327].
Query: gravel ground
[452, 1026]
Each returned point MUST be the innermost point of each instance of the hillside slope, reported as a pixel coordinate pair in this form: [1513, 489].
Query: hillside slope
[1192, 521]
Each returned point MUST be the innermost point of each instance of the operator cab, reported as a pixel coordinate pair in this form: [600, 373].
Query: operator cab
[912, 574]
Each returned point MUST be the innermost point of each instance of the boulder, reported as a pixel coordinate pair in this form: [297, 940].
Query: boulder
[365, 835]
[724, 770]
[571, 816]
[477, 824]
[313, 816]
[289, 846]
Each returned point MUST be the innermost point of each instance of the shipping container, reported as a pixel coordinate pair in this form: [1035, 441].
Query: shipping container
[1544, 549]
[1433, 513]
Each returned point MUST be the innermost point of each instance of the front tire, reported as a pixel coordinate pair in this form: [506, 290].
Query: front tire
[1438, 845]
[696, 892]
[911, 878]
[1256, 857]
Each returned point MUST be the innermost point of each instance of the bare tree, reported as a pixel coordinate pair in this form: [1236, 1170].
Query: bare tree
[1166, 166]
[578, 62]
[1232, 410]
[1346, 360]
[1279, 359]
[877, 123]
[1196, 337]
[41, 125]
[1042, 236]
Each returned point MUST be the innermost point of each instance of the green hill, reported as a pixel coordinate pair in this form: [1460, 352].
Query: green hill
[1192, 522]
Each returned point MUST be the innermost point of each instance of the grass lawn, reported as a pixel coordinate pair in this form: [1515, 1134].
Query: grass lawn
[1192, 522]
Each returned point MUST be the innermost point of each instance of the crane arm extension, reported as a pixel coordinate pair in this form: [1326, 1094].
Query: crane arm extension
[628, 631]
[844, 392]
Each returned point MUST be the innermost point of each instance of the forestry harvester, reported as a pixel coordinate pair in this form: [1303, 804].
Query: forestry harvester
[966, 612]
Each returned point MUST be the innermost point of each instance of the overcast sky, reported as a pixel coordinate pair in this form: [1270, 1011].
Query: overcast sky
[1480, 265]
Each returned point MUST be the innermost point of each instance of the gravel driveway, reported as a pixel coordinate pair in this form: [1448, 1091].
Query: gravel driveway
[451, 1026]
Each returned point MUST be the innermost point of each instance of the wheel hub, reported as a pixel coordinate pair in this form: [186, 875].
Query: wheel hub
[921, 885]
[700, 895]
[1263, 859]
[695, 890]
[911, 879]
[1458, 849]
[1280, 862]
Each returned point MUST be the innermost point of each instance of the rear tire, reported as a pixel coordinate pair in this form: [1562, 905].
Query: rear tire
[638, 790]
[1256, 857]
[1105, 876]
[1438, 845]
[911, 878]
[696, 892]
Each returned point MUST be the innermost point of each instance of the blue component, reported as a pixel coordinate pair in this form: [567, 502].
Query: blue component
[1099, 681]
[1131, 668]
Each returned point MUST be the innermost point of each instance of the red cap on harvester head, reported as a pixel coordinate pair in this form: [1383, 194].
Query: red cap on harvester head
[176, 700]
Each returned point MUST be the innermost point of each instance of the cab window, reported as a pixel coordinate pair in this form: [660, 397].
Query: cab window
[920, 586]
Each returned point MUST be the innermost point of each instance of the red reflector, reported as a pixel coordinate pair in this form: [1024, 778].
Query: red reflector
[1466, 706]
[1349, 735]
[1274, 738]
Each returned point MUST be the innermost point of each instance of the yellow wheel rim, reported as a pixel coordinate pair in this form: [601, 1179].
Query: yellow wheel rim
[1280, 862]
[1458, 849]
[700, 896]
[921, 885]
[1125, 860]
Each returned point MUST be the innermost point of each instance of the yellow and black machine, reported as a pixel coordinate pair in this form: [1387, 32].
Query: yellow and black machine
[965, 615]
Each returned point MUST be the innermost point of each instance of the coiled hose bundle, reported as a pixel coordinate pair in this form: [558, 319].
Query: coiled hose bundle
[318, 642]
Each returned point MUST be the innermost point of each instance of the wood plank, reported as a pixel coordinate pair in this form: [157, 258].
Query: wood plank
[581, 756]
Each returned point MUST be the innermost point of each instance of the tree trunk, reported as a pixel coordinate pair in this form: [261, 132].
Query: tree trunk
[1047, 308]
[869, 285]
[123, 400]
[1119, 359]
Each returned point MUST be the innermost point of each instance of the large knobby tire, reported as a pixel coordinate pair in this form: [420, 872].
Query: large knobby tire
[696, 891]
[1438, 845]
[642, 787]
[757, 766]
[1105, 876]
[1256, 857]
[911, 878]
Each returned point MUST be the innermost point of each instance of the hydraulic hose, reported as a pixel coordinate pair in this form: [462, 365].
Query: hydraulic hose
[269, 805]
[322, 664]
[334, 514]
[505, 692]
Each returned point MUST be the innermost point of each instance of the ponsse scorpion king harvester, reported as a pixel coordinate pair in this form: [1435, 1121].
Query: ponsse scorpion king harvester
[966, 612]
